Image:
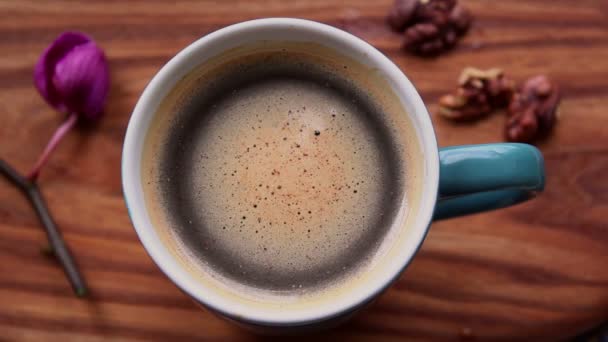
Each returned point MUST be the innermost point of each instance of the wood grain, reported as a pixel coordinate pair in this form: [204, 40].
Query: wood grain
[536, 271]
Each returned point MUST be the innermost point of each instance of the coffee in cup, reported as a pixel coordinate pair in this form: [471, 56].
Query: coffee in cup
[280, 169]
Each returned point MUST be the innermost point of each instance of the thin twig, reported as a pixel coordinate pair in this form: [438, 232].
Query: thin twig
[60, 250]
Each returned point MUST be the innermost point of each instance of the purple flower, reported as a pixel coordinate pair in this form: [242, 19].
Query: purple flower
[72, 75]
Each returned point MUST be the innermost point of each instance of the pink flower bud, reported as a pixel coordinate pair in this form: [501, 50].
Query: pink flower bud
[72, 75]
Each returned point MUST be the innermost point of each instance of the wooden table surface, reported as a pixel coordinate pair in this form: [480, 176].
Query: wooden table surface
[536, 271]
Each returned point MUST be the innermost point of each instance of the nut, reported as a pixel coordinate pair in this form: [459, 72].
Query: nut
[431, 10]
[449, 22]
[460, 19]
[423, 39]
[449, 26]
[402, 13]
[533, 110]
[478, 94]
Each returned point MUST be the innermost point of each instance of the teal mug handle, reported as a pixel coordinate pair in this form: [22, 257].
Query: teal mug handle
[477, 178]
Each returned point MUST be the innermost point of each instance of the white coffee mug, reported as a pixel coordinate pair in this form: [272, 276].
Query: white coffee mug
[511, 186]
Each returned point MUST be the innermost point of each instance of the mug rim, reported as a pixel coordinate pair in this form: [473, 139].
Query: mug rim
[155, 251]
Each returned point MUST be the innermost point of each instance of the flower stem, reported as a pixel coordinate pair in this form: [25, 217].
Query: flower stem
[51, 145]
[57, 245]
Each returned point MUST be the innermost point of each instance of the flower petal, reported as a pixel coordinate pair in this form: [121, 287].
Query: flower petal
[81, 79]
[45, 67]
